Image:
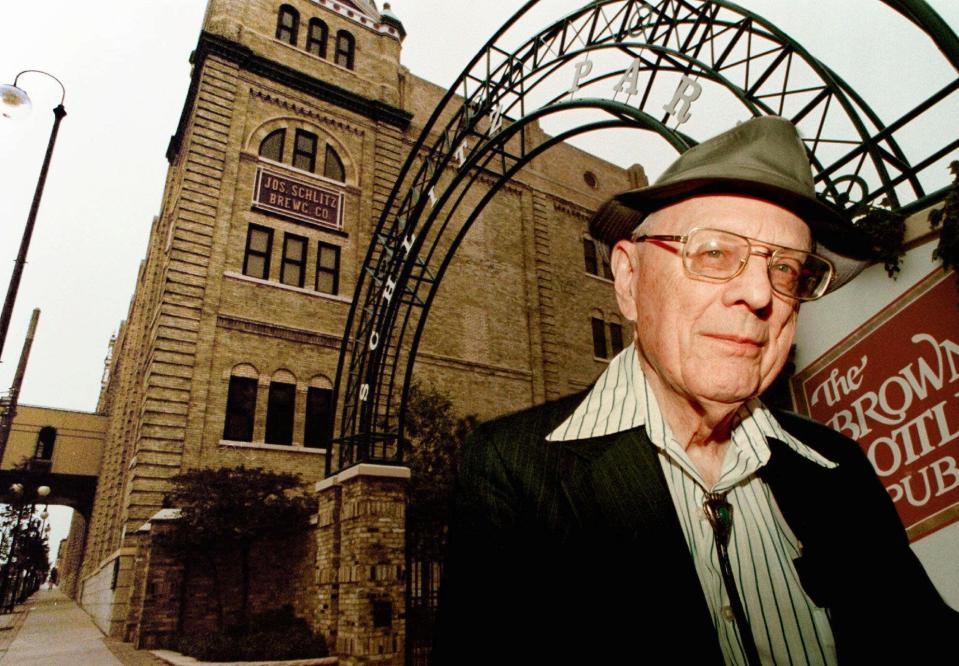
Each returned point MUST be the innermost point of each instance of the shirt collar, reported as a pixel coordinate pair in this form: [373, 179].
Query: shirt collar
[621, 399]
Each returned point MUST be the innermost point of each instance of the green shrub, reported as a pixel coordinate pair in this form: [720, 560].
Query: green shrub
[207, 646]
[274, 635]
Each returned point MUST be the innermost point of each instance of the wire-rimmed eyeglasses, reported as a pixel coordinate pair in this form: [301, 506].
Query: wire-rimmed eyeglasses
[722, 255]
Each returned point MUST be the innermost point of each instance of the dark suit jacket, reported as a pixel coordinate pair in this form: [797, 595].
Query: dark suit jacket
[571, 552]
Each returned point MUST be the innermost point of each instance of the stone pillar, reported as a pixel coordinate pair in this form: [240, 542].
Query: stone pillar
[155, 601]
[361, 563]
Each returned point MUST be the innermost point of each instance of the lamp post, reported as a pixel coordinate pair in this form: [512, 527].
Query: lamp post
[15, 103]
[12, 567]
[28, 577]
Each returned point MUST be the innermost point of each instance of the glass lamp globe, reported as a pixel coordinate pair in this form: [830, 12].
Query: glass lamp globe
[43, 491]
[14, 102]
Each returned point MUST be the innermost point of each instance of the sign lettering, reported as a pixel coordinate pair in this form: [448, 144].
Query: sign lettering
[408, 244]
[687, 92]
[278, 193]
[629, 81]
[583, 68]
[460, 153]
[496, 119]
[893, 386]
[388, 289]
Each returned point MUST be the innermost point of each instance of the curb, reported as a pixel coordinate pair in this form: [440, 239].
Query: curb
[177, 659]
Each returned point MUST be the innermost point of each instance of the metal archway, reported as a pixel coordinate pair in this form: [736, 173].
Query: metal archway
[633, 64]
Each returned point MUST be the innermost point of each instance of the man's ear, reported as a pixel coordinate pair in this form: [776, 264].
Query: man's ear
[624, 265]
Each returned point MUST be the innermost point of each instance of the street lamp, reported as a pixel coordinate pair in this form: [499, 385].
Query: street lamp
[11, 578]
[15, 103]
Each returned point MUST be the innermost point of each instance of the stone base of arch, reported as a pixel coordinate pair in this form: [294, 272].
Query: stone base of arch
[361, 563]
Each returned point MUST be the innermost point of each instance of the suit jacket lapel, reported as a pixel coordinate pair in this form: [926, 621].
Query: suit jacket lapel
[617, 491]
[615, 483]
[799, 486]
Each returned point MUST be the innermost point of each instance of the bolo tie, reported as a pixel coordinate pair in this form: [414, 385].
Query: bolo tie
[719, 512]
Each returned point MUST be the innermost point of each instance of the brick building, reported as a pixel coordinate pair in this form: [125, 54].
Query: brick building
[298, 118]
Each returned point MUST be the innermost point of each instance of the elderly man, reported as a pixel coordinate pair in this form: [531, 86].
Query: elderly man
[667, 515]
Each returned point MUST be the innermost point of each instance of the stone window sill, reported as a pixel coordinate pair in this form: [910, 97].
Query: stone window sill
[290, 448]
[280, 285]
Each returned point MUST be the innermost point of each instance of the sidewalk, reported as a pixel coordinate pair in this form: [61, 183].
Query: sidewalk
[51, 630]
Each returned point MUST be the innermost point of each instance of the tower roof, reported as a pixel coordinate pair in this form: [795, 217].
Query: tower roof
[389, 18]
[368, 7]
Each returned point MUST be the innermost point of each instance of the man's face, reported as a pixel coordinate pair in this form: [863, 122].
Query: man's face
[704, 340]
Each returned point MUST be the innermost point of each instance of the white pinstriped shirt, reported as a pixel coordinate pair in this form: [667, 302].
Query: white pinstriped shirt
[787, 626]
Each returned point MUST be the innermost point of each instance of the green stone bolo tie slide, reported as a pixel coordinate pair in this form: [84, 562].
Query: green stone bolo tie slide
[720, 514]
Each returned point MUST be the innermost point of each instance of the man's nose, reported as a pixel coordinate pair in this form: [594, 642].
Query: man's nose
[752, 285]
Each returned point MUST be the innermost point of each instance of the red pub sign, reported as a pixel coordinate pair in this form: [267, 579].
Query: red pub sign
[296, 199]
[893, 386]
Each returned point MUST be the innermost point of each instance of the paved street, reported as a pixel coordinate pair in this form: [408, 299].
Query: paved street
[51, 630]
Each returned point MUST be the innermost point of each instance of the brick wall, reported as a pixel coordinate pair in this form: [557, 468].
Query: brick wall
[179, 595]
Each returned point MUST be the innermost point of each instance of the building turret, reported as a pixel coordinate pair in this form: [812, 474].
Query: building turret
[387, 17]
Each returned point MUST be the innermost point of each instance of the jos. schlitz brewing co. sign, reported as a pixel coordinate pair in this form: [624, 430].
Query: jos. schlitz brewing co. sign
[893, 386]
[294, 198]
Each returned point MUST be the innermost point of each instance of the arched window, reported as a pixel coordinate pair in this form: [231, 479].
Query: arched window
[280, 407]
[333, 165]
[272, 146]
[304, 151]
[316, 38]
[318, 426]
[240, 404]
[287, 23]
[45, 441]
[345, 46]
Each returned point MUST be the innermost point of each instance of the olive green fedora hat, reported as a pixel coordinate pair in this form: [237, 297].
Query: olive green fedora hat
[763, 158]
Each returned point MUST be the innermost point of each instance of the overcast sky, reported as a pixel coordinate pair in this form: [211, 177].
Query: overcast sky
[124, 64]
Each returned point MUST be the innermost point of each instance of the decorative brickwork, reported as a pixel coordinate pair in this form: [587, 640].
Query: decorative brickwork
[361, 564]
